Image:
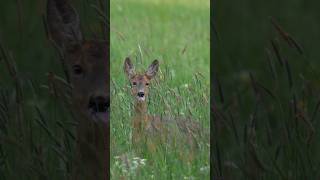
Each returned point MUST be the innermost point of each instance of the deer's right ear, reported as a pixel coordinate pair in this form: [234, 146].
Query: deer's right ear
[128, 68]
[63, 23]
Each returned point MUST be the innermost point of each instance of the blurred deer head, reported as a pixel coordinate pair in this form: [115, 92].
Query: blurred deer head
[86, 60]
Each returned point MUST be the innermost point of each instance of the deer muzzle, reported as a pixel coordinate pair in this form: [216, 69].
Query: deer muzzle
[99, 108]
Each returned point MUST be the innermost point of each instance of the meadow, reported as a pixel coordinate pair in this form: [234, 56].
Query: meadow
[266, 90]
[177, 33]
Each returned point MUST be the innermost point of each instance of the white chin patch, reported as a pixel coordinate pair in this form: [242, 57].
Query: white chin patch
[140, 98]
[100, 116]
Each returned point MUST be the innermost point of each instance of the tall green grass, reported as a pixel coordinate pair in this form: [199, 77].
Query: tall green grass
[36, 126]
[177, 34]
[266, 108]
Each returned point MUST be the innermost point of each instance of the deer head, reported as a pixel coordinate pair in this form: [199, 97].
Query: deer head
[140, 81]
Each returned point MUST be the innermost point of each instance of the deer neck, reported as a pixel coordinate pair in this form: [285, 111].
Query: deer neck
[141, 114]
[92, 146]
[140, 108]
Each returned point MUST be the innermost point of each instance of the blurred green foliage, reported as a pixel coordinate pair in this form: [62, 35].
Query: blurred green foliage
[266, 103]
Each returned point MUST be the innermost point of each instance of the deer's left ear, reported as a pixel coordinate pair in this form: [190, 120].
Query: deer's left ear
[63, 23]
[152, 69]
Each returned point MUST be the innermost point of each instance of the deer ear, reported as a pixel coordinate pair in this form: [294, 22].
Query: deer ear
[63, 23]
[129, 68]
[152, 69]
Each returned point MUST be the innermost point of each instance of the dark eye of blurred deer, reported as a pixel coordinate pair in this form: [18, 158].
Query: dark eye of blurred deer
[97, 54]
[134, 83]
[147, 84]
[77, 70]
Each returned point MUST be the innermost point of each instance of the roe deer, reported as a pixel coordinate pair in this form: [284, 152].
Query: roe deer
[87, 63]
[146, 126]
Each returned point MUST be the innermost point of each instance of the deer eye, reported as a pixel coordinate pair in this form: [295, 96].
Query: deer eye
[134, 83]
[77, 70]
[147, 84]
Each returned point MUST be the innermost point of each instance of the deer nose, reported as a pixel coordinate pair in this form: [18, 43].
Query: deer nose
[99, 104]
[140, 94]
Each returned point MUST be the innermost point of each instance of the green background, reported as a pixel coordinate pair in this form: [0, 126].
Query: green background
[266, 114]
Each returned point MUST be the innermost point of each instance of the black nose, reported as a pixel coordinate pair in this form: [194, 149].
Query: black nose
[140, 94]
[99, 104]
